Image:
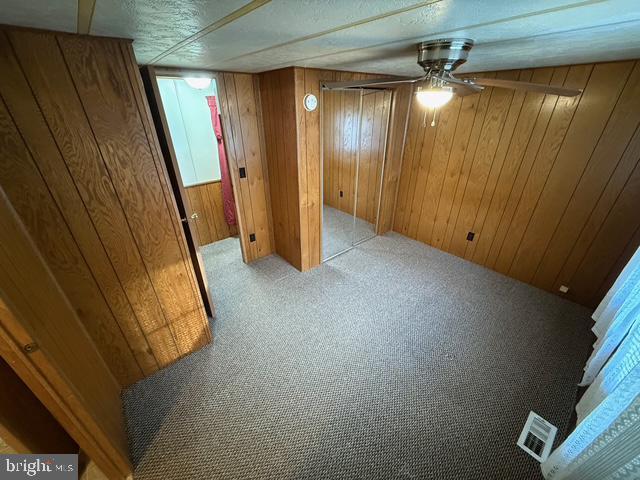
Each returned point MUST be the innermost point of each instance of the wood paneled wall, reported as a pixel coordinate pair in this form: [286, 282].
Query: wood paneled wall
[308, 140]
[277, 89]
[205, 200]
[341, 113]
[243, 132]
[293, 146]
[80, 163]
[61, 365]
[549, 185]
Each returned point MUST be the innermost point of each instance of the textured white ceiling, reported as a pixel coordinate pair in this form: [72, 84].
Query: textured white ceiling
[362, 35]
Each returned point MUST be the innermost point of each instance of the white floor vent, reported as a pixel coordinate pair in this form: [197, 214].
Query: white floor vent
[537, 437]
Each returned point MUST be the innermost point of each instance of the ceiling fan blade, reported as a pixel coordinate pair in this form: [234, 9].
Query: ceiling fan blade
[532, 87]
[370, 83]
[460, 87]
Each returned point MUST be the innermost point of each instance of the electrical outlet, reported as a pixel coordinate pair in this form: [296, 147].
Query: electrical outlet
[563, 289]
[470, 236]
[252, 237]
[341, 194]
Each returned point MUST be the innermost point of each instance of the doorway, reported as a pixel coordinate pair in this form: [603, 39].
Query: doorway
[186, 110]
[354, 137]
[192, 109]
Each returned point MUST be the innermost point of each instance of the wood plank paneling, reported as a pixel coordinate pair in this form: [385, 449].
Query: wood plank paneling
[281, 120]
[242, 130]
[309, 139]
[293, 145]
[546, 183]
[64, 369]
[206, 201]
[91, 170]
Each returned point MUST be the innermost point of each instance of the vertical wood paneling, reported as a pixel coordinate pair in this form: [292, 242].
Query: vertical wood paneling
[542, 163]
[280, 119]
[67, 372]
[98, 72]
[604, 88]
[241, 123]
[206, 201]
[546, 183]
[310, 136]
[493, 207]
[443, 142]
[604, 159]
[91, 158]
[523, 171]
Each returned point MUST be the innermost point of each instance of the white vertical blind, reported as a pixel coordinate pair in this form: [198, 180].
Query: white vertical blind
[606, 442]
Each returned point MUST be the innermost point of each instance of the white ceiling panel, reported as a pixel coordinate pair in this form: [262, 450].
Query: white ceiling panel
[376, 36]
[434, 20]
[400, 57]
[596, 44]
[50, 14]
[281, 22]
[158, 25]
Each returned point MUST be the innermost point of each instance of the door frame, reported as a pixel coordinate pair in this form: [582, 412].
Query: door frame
[361, 91]
[37, 327]
[150, 75]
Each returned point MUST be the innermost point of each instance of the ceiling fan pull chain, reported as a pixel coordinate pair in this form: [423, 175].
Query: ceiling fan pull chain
[435, 114]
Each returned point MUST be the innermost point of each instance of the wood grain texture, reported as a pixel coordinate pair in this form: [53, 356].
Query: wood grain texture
[280, 120]
[205, 200]
[75, 384]
[546, 183]
[295, 142]
[92, 171]
[25, 423]
[242, 130]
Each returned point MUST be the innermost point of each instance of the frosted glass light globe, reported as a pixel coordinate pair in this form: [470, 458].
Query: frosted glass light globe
[434, 97]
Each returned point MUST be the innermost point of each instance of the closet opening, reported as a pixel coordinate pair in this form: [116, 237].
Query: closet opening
[354, 140]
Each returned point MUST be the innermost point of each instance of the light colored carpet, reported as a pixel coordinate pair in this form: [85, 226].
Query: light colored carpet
[339, 232]
[392, 361]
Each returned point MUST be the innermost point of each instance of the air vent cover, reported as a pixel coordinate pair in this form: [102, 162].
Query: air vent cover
[537, 437]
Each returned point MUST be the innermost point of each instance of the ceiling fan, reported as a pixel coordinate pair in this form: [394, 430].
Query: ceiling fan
[439, 58]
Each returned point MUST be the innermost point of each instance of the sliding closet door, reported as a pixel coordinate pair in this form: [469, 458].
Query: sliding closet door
[341, 125]
[374, 119]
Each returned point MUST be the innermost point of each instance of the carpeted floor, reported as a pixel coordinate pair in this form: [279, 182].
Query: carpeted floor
[339, 231]
[392, 361]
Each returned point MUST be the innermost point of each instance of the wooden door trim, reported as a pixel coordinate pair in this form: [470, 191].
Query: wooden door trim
[20, 307]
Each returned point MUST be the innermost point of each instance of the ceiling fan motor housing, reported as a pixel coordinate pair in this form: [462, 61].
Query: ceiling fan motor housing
[445, 54]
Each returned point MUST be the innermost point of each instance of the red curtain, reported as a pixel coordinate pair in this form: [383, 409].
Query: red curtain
[227, 188]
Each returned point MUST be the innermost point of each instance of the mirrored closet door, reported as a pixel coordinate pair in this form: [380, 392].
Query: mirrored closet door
[354, 133]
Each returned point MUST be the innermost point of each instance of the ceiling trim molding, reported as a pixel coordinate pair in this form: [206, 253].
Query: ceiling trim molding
[233, 16]
[444, 32]
[86, 10]
[342, 27]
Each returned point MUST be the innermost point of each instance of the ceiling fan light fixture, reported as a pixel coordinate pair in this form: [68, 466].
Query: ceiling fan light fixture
[199, 83]
[434, 97]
